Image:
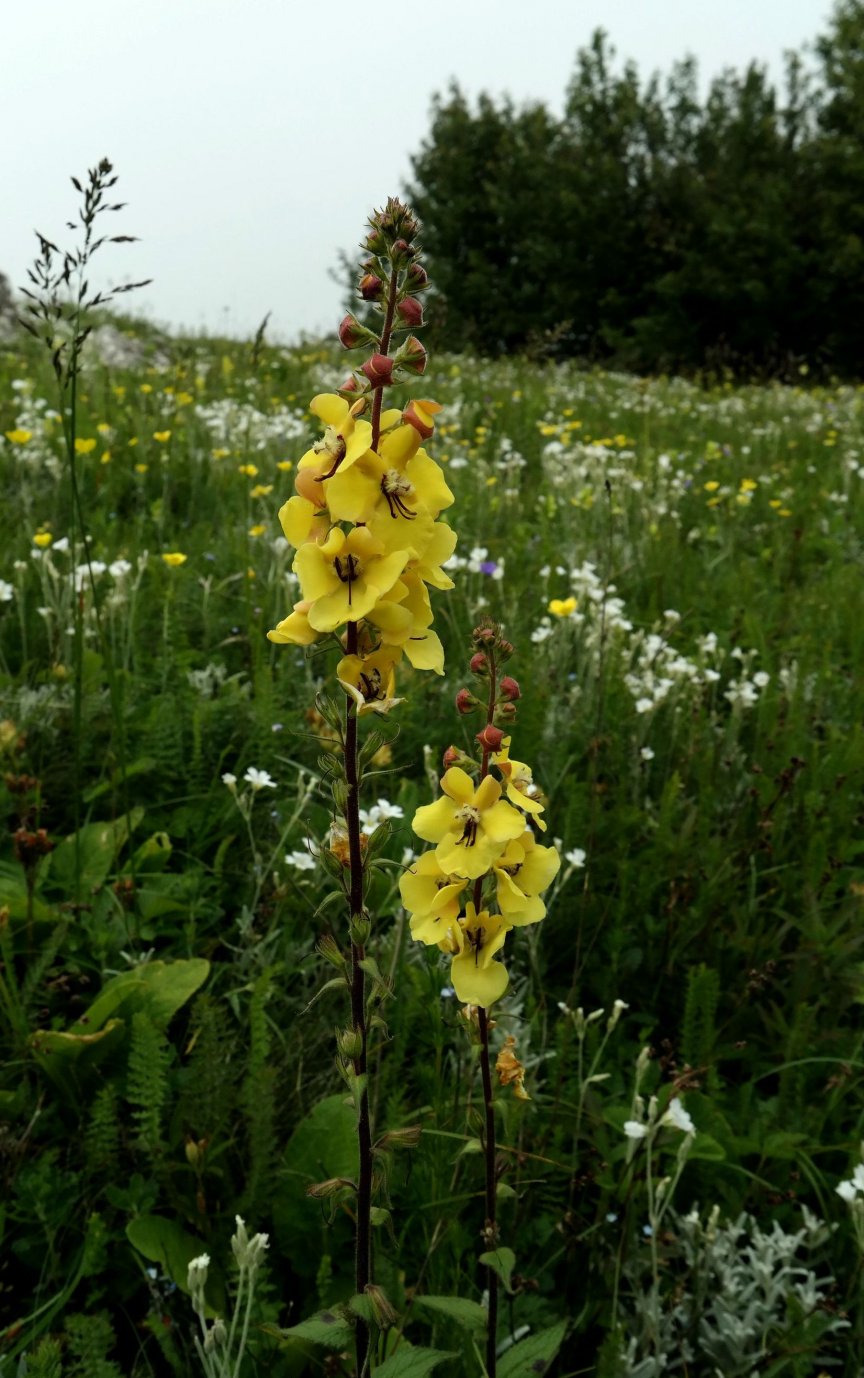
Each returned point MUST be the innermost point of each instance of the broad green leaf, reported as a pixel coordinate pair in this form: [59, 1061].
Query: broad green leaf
[329, 1328]
[57, 1053]
[142, 766]
[165, 1242]
[502, 1261]
[412, 1362]
[323, 1145]
[160, 988]
[533, 1355]
[706, 1148]
[469, 1314]
[99, 843]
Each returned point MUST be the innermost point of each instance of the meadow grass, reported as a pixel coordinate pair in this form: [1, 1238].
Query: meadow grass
[679, 569]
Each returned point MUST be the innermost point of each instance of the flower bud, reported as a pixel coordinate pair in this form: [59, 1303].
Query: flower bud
[505, 649]
[411, 312]
[479, 664]
[506, 712]
[371, 287]
[401, 253]
[383, 1312]
[412, 356]
[452, 756]
[350, 384]
[352, 333]
[510, 689]
[379, 370]
[485, 634]
[466, 702]
[350, 1043]
[490, 738]
[419, 414]
[417, 275]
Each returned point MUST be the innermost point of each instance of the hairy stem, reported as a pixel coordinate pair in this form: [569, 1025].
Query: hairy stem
[385, 345]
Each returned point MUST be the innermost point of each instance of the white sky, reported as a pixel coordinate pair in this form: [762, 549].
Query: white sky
[253, 137]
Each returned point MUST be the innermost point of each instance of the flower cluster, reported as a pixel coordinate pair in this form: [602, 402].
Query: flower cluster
[364, 518]
[488, 871]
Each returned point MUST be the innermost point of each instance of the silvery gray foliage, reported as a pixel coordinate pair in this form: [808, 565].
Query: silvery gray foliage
[738, 1291]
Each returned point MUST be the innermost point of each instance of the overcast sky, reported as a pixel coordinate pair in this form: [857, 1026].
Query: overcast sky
[253, 137]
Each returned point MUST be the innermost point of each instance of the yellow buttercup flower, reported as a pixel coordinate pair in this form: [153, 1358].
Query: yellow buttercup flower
[258, 529]
[250, 470]
[43, 539]
[162, 436]
[173, 558]
[475, 977]
[562, 607]
[84, 447]
[261, 490]
[19, 436]
[471, 826]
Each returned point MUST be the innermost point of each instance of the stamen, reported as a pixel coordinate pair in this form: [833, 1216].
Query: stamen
[349, 573]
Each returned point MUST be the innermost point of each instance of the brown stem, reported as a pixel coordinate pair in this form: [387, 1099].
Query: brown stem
[490, 1233]
[363, 1254]
[384, 347]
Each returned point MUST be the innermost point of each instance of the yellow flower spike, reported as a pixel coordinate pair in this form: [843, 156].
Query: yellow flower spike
[475, 977]
[294, 630]
[518, 782]
[345, 576]
[471, 826]
[173, 558]
[523, 872]
[43, 539]
[370, 680]
[431, 897]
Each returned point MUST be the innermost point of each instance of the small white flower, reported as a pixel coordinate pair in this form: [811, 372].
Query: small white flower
[644, 705]
[7, 592]
[576, 858]
[62, 544]
[229, 780]
[259, 779]
[647, 754]
[676, 1117]
[301, 861]
[847, 1190]
[634, 1130]
[761, 679]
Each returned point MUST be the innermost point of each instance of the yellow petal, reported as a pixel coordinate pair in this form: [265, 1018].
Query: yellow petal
[475, 984]
[502, 823]
[432, 822]
[458, 784]
[330, 408]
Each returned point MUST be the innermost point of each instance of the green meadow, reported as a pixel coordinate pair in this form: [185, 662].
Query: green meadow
[678, 566]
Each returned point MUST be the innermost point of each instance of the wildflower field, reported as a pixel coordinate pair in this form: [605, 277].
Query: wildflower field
[677, 1056]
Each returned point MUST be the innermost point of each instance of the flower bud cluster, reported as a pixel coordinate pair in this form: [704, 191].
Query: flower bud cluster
[487, 872]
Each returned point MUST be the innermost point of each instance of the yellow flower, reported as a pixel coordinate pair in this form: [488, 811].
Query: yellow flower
[261, 490]
[749, 485]
[301, 522]
[344, 577]
[258, 529]
[286, 465]
[370, 680]
[162, 436]
[294, 630]
[105, 457]
[141, 468]
[220, 453]
[146, 387]
[518, 782]
[711, 486]
[43, 539]
[19, 436]
[562, 607]
[523, 872]
[84, 447]
[249, 470]
[173, 558]
[471, 826]
[476, 979]
[431, 897]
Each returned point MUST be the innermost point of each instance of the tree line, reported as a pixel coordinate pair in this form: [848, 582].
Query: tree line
[654, 227]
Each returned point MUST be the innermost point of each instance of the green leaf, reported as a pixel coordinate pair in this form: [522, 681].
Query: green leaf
[323, 1145]
[706, 1148]
[160, 988]
[165, 1242]
[98, 844]
[413, 1362]
[142, 766]
[328, 1328]
[533, 1355]
[502, 1261]
[469, 1314]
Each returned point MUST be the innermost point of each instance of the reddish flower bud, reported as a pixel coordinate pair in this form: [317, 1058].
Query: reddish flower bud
[419, 414]
[350, 384]
[379, 370]
[352, 333]
[505, 649]
[371, 287]
[411, 311]
[506, 712]
[479, 663]
[417, 275]
[412, 356]
[490, 738]
[484, 634]
[510, 689]
[466, 702]
[401, 252]
[452, 756]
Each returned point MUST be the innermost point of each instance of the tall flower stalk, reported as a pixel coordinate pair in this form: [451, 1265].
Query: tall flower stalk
[485, 828]
[364, 519]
